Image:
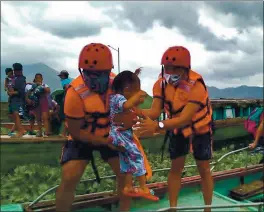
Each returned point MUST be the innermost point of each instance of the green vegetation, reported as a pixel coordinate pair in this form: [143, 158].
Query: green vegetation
[27, 182]
[4, 111]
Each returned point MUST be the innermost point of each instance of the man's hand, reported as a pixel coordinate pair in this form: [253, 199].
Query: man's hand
[146, 127]
[125, 120]
[29, 102]
[252, 145]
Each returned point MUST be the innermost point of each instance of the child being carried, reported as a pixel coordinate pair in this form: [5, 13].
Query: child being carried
[9, 80]
[127, 95]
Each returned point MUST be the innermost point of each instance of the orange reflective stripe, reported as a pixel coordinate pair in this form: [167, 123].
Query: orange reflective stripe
[85, 94]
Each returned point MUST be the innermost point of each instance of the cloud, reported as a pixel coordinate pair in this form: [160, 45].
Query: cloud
[225, 51]
[238, 14]
[76, 19]
[180, 15]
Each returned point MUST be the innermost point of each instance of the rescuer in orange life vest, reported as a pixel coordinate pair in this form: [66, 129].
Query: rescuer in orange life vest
[87, 117]
[183, 94]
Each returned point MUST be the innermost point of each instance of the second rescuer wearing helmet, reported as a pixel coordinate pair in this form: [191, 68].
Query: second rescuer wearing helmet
[183, 95]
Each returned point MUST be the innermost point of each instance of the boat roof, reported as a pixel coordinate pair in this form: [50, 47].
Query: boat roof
[237, 102]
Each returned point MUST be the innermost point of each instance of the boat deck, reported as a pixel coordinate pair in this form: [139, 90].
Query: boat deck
[191, 197]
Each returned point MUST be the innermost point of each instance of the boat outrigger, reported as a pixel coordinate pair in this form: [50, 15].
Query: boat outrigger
[239, 189]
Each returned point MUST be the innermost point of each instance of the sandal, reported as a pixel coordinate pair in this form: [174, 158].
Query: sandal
[139, 193]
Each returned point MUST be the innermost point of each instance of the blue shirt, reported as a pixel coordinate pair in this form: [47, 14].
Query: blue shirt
[65, 82]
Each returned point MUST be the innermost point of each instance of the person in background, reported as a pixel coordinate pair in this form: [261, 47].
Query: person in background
[29, 108]
[259, 136]
[17, 98]
[65, 80]
[9, 80]
[37, 99]
[9, 86]
[54, 111]
[65, 83]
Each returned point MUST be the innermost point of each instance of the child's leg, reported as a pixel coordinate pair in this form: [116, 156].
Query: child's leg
[128, 182]
[143, 183]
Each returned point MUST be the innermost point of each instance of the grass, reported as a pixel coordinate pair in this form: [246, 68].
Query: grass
[4, 111]
[13, 155]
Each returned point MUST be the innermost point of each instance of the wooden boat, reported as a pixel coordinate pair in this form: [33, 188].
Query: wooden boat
[229, 115]
[226, 183]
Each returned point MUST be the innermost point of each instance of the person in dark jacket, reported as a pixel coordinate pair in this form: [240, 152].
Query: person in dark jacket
[17, 98]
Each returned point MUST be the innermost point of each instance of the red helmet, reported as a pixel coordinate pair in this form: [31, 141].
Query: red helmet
[177, 56]
[96, 57]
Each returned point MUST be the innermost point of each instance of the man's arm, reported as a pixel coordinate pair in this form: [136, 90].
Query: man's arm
[195, 99]
[157, 103]
[184, 119]
[78, 134]
[74, 111]
[155, 110]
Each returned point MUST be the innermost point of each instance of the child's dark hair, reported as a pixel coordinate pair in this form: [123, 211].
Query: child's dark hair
[7, 70]
[125, 78]
[38, 74]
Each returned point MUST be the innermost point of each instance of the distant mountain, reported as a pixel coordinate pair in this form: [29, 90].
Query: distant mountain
[245, 92]
[51, 78]
[49, 75]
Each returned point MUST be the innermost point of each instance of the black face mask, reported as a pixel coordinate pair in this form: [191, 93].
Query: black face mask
[97, 81]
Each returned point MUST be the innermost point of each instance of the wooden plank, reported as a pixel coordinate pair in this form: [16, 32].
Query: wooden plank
[5, 139]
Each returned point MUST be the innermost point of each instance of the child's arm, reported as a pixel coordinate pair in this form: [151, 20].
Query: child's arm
[5, 84]
[134, 100]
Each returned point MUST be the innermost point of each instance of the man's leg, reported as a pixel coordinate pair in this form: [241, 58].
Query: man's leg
[74, 157]
[174, 180]
[124, 201]
[206, 182]
[178, 149]
[46, 123]
[18, 125]
[72, 172]
[202, 146]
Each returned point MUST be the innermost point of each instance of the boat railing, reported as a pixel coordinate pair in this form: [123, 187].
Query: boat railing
[194, 208]
[154, 171]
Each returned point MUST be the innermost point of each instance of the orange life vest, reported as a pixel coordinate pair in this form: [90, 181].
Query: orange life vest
[177, 98]
[96, 110]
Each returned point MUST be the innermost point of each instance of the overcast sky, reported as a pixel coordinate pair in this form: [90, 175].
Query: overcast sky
[225, 39]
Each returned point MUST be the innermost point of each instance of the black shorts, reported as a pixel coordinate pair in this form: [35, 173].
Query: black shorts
[202, 146]
[77, 150]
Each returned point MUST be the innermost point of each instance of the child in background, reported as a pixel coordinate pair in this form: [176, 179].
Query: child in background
[127, 95]
[9, 80]
[9, 87]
